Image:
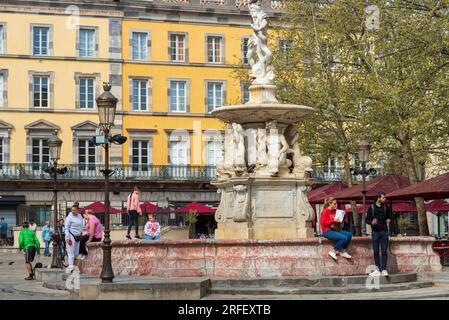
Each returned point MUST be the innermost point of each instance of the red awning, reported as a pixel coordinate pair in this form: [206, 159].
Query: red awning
[197, 207]
[319, 194]
[148, 207]
[98, 207]
[438, 205]
[386, 183]
[359, 208]
[435, 188]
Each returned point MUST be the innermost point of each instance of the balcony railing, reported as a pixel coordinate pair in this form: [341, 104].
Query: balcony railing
[332, 173]
[35, 171]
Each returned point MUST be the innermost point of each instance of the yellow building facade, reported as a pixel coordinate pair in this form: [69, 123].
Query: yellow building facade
[169, 63]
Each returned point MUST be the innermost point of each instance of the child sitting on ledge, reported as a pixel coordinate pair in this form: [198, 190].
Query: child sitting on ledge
[152, 228]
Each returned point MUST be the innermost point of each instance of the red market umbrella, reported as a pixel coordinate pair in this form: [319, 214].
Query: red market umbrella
[437, 205]
[197, 207]
[386, 183]
[359, 208]
[318, 195]
[148, 207]
[435, 188]
[98, 207]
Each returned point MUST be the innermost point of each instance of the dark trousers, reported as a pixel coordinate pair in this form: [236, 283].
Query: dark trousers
[133, 220]
[83, 241]
[380, 239]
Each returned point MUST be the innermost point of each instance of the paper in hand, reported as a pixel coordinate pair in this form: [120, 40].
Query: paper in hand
[340, 215]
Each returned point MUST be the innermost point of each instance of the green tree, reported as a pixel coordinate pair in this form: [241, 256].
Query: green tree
[388, 84]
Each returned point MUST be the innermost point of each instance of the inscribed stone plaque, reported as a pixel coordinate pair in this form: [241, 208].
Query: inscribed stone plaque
[274, 203]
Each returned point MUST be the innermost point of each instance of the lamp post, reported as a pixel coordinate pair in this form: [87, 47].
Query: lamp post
[54, 145]
[363, 153]
[106, 104]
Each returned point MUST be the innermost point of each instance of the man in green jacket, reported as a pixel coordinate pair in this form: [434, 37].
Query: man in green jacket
[29, 243]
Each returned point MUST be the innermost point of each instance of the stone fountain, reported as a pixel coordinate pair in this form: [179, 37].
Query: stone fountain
[264, 178]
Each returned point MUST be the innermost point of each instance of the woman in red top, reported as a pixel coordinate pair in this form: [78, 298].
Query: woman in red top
[330, 229]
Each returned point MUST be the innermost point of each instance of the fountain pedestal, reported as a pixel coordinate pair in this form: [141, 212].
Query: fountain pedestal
[264, 178]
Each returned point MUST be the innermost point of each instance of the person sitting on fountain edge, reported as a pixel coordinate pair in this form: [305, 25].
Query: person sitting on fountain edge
[331, 230]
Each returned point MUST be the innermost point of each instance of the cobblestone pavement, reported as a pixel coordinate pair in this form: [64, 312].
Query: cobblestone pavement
[12, 283]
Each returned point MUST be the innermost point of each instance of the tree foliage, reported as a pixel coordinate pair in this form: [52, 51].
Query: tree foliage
[388, 85]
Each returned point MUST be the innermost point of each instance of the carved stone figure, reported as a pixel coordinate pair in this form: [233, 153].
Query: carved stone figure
[283, 161]
[292, 136]
[219, 213]
[241, 203]
[261, 147]
[239, 149]
[273, 148]
[251, 147]
[228, 162]
[259, 55]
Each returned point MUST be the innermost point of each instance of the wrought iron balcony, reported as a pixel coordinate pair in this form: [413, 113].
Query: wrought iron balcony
[35, 171]
[333, 173]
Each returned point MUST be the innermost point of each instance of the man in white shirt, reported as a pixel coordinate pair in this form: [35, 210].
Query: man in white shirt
[73, 230]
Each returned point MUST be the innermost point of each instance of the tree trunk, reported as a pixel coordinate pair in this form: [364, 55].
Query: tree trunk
[355, 213]
[410, 166]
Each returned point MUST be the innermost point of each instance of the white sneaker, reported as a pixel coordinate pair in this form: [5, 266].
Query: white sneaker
[69, 269]
[333, 255]
[375, 273]
[346, 255]
[82, 257]
[385, 273]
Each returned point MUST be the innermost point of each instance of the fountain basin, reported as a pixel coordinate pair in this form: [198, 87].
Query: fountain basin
[257, 258]
[262, 113]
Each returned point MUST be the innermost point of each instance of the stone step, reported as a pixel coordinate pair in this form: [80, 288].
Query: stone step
[318, 290]
[341, 281]
[35, 288]
[55, 285]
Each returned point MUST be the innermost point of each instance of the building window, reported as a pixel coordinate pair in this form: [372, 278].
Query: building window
[139, 46]
[285, 47]
[177, 47]
[2, 89]
[140, 155]
[41, 40]
[214, 49]
[87, 93]
[86, 42]
[214, 95]
[40, 91]
[40, 153]
[1, 152]
[40, 214]
[178, 96]
[214, 153]
[245, 50]
[245, 92]
[86, 155]
[2, 38]
[178, 151]
[139, 95]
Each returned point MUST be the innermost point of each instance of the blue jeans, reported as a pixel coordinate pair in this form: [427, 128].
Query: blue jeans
[148, 237]
[341, 238]
[47, 248]
[380, 238]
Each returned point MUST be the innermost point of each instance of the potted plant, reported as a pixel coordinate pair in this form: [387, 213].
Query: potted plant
[191, 219]
[402, 224]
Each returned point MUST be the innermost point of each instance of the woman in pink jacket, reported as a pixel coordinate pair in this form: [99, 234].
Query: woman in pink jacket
[134, 210]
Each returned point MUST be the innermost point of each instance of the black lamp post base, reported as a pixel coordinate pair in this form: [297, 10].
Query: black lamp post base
[107, 275]
[55, 262]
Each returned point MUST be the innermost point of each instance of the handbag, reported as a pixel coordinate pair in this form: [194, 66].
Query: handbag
[76, 238]
[336, 226]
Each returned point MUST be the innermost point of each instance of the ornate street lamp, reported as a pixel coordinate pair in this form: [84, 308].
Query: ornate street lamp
[54, 145]
[363, 153]
[107, 105]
